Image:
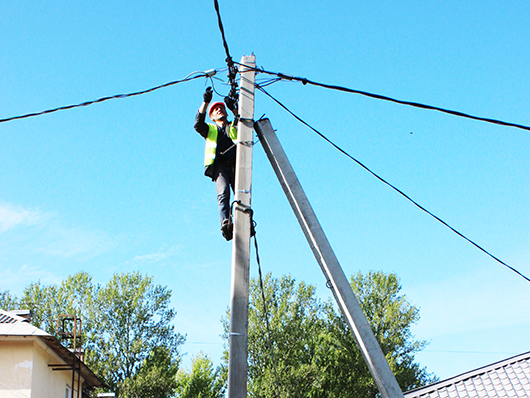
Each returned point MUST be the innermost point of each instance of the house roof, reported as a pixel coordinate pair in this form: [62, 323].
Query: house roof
[14, 325]
[507, 378]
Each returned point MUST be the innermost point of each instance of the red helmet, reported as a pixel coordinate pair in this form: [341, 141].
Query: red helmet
[214, 105]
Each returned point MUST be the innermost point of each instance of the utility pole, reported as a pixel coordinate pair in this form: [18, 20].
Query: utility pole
[242, 215]
[335, 278]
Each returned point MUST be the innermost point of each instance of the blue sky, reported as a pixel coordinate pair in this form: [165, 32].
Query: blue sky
[119, 186]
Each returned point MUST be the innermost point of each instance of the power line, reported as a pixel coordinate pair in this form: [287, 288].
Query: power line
[62, 108]
[219, 20]
[266, 311]
[392, 186]
[397, 101]
[232, 69]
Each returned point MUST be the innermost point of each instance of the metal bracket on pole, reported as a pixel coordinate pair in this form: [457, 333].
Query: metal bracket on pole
[342, 291]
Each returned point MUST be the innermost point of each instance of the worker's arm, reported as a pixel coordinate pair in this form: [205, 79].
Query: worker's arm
[203, 108]
[200, 125]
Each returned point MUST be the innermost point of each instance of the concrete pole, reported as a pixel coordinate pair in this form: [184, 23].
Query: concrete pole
[238, 351]
[342, 291]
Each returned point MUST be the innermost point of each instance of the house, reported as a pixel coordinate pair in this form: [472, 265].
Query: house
[506, 379]
[34, 364]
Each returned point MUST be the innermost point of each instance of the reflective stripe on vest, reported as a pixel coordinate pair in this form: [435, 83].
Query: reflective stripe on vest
[211, 142]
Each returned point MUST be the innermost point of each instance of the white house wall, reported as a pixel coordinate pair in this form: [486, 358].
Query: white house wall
[24, 370]
[47, 382]
[16, 365]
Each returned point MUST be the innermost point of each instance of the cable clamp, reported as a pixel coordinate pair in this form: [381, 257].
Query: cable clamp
[286, 77]
[249, 122]
[210, 73]
[246, 143]
[242, 207]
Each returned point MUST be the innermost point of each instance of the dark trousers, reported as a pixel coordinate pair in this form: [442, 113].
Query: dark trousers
[224, 178]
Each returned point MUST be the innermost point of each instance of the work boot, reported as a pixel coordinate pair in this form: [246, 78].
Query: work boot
[227, 229]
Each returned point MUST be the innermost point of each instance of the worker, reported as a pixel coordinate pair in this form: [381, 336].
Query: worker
[220, 153]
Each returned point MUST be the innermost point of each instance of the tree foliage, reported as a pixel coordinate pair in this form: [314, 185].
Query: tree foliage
[126, 329]
[391, 317]
[315, 354]
[155, 378]
[202, 381]
[295, 319]
[8, 302]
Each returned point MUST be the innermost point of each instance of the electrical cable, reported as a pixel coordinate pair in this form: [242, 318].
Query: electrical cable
[393, 187]
[265, 310]
[219, 20]
[397, 101]
[267, 82]
[232, 69]
[213, 86]
[62, 108]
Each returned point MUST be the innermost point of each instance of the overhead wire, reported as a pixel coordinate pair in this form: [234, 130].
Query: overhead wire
[393, 187]
[191, 76]
[232, 68]
[267, 82]
[232, 72]
[305, 81]
[265, 311]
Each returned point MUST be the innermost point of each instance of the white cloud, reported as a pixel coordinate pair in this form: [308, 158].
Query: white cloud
[156, 257]
[15, 279]
[34, 231]
[13, 216]
[71, 242]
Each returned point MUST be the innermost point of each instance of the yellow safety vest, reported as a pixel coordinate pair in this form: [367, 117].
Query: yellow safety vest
[211, 142]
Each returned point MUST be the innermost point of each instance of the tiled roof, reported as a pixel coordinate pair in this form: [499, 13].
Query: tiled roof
[6, 317]
[505, 379]
[14, 325]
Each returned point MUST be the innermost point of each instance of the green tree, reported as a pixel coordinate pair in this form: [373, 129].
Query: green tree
[8, 302]
[202, 382]
[156, 377]
[314, 351]
[391, 317]
[136, 320]
[126, 329]
[74, 296]
[295, 317]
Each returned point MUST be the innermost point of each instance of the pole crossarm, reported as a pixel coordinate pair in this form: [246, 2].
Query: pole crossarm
[337, 281]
